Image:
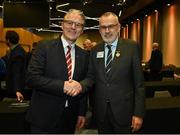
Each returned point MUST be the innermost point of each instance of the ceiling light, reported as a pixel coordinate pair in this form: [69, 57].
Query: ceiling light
[121, 2]
[86, 1]
[120, 12]
[50, 0]
[62, 5]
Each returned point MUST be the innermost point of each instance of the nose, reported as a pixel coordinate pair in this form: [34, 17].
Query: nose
[107, 29]
[73, 25]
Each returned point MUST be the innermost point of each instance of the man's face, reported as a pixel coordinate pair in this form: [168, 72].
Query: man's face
[7, 43]
[109, 28]
[72, 26]
[87, 44]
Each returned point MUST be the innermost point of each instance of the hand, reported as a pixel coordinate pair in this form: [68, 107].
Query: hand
[19, 96]
[80, 122]
[72, 88]
[136, 123]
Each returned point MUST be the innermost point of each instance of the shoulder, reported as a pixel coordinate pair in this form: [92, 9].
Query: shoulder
[18, 51]
[98, 47]
[48, 43]
[80, 50]
[128, 42]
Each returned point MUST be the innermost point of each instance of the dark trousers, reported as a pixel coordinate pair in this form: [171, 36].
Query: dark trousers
[110, 125]
[92, 123]
[65, 125]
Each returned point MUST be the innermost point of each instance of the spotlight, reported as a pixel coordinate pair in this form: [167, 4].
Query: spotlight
[85, 2]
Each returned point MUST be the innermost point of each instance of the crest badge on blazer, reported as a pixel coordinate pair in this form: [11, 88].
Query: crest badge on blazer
[118, 54]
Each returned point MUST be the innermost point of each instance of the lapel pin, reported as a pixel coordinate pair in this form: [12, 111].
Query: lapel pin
[118, 53]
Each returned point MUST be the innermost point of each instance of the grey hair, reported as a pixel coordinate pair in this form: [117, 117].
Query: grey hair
[78, 12]
[108, 14]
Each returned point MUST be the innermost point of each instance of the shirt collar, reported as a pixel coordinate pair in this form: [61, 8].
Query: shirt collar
[13, 46]
[113, 44]
[65, 43]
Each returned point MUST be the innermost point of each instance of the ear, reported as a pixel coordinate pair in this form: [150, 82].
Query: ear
[61, 25]
[119, 27]
[82, 30]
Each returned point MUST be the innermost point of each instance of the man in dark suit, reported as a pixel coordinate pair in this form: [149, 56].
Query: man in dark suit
[53, 108]
[155, 63]
[115, 70]
[88, 45]
[16, 66]
[2, 76]
[29, 54]
[155, 66]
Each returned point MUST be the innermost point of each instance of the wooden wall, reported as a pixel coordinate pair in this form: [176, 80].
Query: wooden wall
[26, 38]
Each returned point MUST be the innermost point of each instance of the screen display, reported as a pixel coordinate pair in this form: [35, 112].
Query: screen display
[19, 14]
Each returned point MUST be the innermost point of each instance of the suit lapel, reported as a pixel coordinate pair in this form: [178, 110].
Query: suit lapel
[116, 60]
[100, 62]
[62, 56]
[77, 63]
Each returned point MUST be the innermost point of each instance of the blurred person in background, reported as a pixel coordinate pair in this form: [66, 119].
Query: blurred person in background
[15, 61]
[155, 63]
[88, 45]
[29, 54]
[2, 76]
[155, 66]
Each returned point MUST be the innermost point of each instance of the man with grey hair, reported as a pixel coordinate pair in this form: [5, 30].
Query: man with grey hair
[55, 106]
[156, 61]
[155, 66]
[116, 72]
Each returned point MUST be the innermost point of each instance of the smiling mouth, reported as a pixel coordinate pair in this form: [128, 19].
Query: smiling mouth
[72, 32]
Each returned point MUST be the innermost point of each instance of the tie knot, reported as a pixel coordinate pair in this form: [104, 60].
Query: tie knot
[109, 46]
[69, 47]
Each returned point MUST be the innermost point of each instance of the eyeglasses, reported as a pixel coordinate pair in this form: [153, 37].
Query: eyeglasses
[110, 27]
[69, 23]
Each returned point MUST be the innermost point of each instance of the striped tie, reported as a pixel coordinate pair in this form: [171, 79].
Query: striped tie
[69, 61]
[108, 60]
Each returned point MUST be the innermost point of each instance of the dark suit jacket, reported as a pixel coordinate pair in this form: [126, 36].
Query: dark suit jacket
[156, 61]
[46, 74]
[16, 68]
[124, 88]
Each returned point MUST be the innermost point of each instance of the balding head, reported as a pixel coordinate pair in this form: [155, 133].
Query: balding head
[155, 46]
[87, 44]
[109, 27]
[108, 14]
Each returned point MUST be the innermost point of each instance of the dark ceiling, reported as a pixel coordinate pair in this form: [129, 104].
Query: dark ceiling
[92, 9]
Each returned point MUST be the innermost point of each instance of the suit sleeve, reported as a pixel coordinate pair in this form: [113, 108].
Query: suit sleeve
[84, 96]
[139, 101]
[18, 67]
[36, 76]
[83, 104]
[88, 82]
